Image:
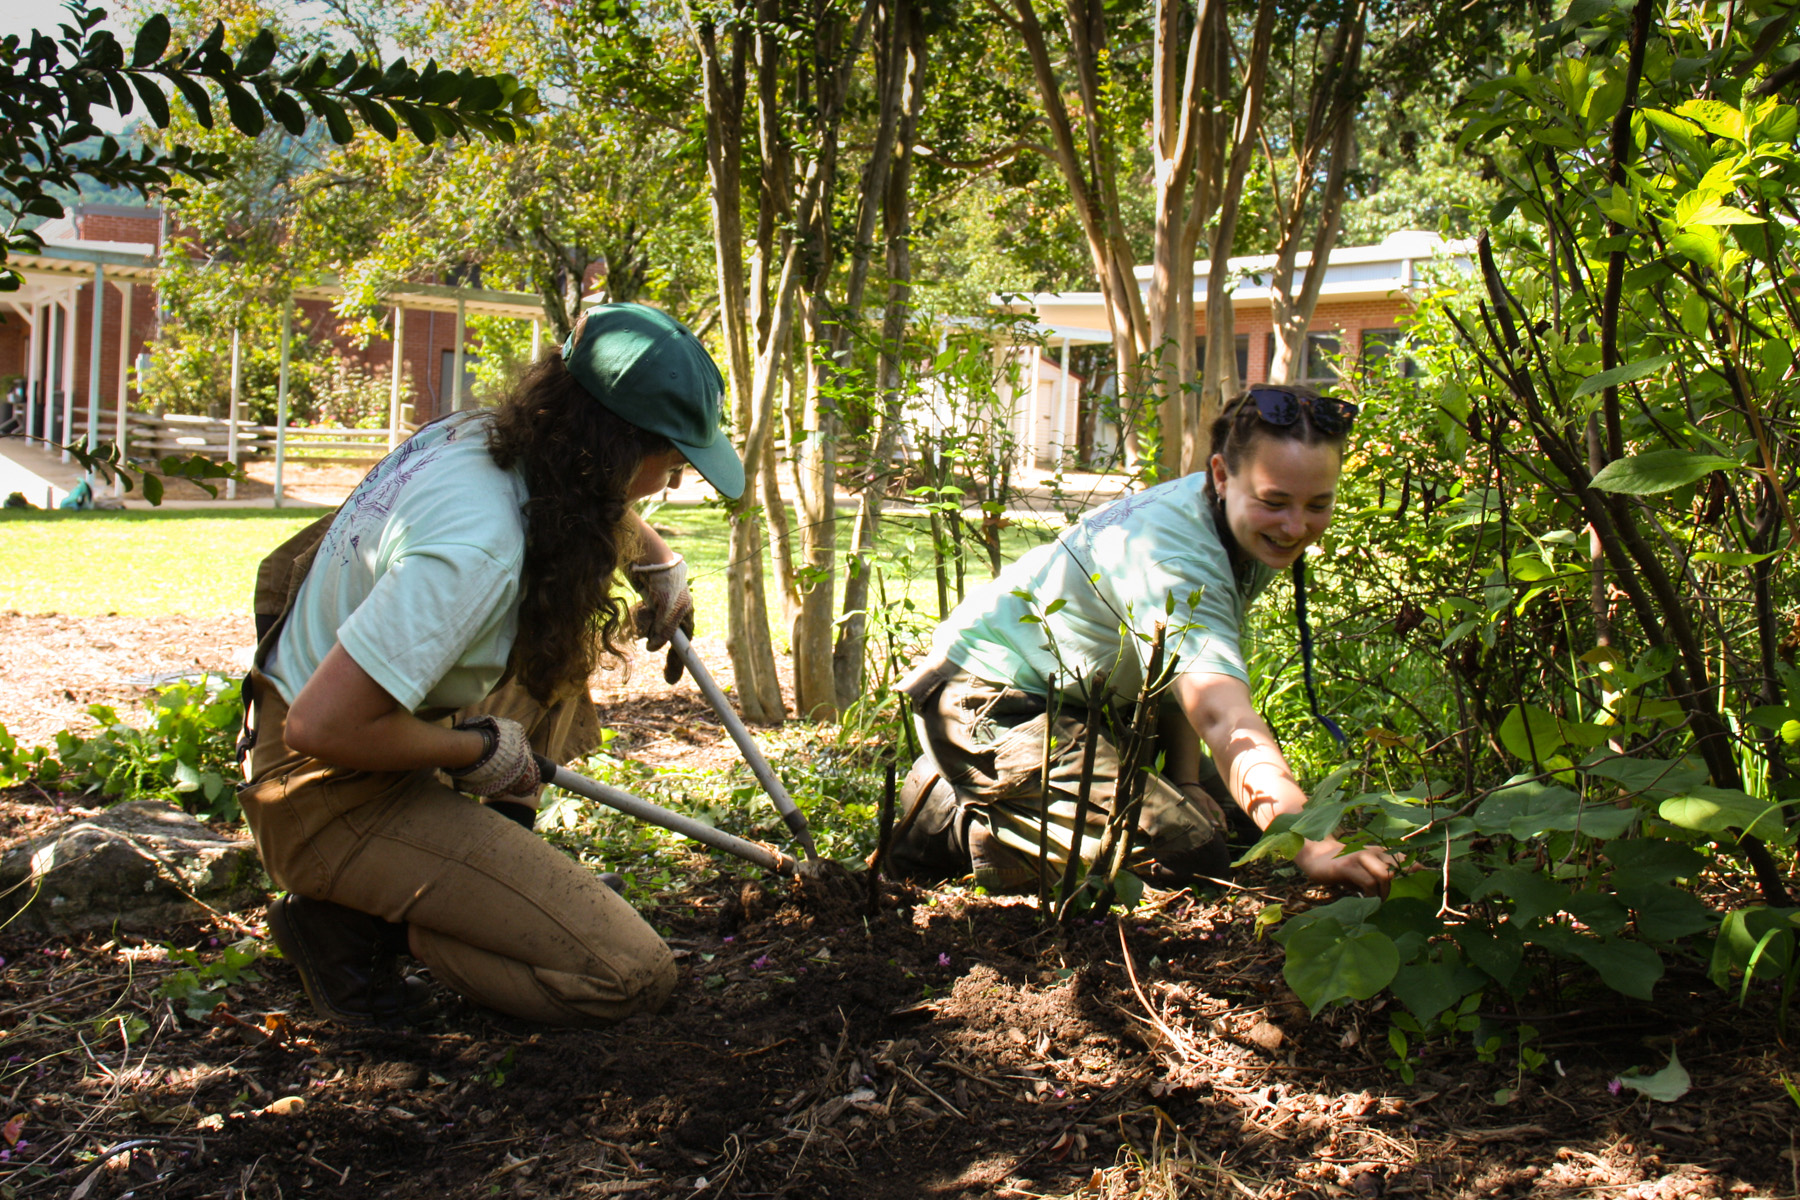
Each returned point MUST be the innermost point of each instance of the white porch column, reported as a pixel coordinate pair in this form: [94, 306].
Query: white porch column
[121, 434]
[1059, 423]
[231, 433]
[537, 338]
[281, 396]
[33, 376]
[94, 338]
[456, 361]
[70, 323]
[1028, 450]
[398, 370]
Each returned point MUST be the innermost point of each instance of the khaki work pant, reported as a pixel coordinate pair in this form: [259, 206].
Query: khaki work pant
[986, 744]
[497, 913]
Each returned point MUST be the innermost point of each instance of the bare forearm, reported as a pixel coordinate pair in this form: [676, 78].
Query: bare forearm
[343, 717]
[651, 547]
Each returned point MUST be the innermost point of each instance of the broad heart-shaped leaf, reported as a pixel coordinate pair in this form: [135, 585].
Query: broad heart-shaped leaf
[1528, 810]
[1714, 810]
[1534, 894]
[1740, 935]
[1665, 1086]
[1701, 243]
[1629, 968]
[1665, 913]
[1640, 862]
[1623, 374]
[1653, 776]
[1427, 989]
[1600, 913]
[1531, 734]
[1498, 949]
[1326, 963]
[1346, 912]
[1658, 471]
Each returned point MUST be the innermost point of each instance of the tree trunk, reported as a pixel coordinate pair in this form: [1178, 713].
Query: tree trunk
[902, 55]
[1330, 135]
[747, 619]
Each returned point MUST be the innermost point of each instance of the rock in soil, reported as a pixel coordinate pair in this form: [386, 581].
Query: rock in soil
[144, 866]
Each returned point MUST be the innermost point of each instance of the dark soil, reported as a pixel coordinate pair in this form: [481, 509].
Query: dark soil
[945, 1046]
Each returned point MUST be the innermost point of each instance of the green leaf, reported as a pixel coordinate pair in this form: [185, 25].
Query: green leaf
[152, 40]
[1600, 913]
[1665, 913]
[1427, 989]
[155, 103]
[288, 111]
[377, 117]
[1534, 895]
[1682, 135]
[1731, 558]
[1629, 968]
[1328, 963]
[1742, 932]
[1640, 369]
[258, 54]
[1701, 243]
[1498, 950]
[246, 113]
[1531, 734]
[1528, 810]
[196, 97]
[1666, 1086]
[1658, 471]
[1714, 116]
[1714, 810]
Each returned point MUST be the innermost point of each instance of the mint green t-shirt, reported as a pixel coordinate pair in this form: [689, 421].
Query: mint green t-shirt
[1150, 557]
[418, 575]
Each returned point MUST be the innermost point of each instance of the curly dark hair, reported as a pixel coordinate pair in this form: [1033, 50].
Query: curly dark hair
[1239, 426]
[578, 460]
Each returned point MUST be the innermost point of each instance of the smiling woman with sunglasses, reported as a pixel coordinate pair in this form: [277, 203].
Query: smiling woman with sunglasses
[1190, 554]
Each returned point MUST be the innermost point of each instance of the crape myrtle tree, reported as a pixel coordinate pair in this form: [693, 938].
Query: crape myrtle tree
[52, 84]
[1561, 604]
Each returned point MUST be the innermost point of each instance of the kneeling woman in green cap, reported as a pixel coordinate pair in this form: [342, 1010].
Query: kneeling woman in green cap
[424, 640]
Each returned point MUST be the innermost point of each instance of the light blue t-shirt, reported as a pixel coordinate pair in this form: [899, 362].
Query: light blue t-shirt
[1121, 567]
[418, 575]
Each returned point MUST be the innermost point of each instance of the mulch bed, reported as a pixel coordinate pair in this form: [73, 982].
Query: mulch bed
[945, 1046]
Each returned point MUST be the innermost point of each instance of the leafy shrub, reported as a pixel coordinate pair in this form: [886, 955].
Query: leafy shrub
[185, 755]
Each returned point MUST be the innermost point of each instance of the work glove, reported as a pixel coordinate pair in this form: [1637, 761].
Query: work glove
[667, 606]
[507, 771]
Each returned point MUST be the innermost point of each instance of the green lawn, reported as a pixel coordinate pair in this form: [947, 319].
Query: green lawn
[204, 564]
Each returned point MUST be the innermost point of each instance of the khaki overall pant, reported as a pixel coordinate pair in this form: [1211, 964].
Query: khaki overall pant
[984, 768]
[497, 913]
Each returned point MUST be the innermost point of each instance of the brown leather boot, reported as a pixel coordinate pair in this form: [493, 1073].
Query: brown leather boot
[349, 961]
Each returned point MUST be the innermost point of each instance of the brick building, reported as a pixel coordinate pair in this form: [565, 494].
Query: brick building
[47, 346]
[1362, 302]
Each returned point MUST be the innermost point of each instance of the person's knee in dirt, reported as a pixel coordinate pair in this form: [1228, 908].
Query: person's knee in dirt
[432, 640]
[1181, 561]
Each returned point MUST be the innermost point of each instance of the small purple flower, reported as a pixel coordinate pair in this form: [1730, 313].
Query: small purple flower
[762, 964]
[943, 959]
[728, 938]
[1615, 1086]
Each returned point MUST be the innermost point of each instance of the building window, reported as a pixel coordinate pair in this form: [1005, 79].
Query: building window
[1243, 357]
[1378, 345]
[447, 371]
[1319, 358]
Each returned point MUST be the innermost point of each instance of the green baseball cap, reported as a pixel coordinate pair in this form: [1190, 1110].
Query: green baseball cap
[649, 369]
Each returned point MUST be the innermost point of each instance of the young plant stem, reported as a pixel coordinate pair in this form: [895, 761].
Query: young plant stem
[883, 837]
[1043, 863]
[1128, 795]
[1095, 710]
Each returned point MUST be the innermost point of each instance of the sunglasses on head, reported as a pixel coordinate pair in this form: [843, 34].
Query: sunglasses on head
[1279, 406]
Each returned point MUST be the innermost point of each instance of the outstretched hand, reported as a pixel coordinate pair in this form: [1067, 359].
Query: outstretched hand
[1368, 871]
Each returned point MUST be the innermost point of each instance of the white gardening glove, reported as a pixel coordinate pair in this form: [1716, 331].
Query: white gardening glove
[667, 606]
[507, 770]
